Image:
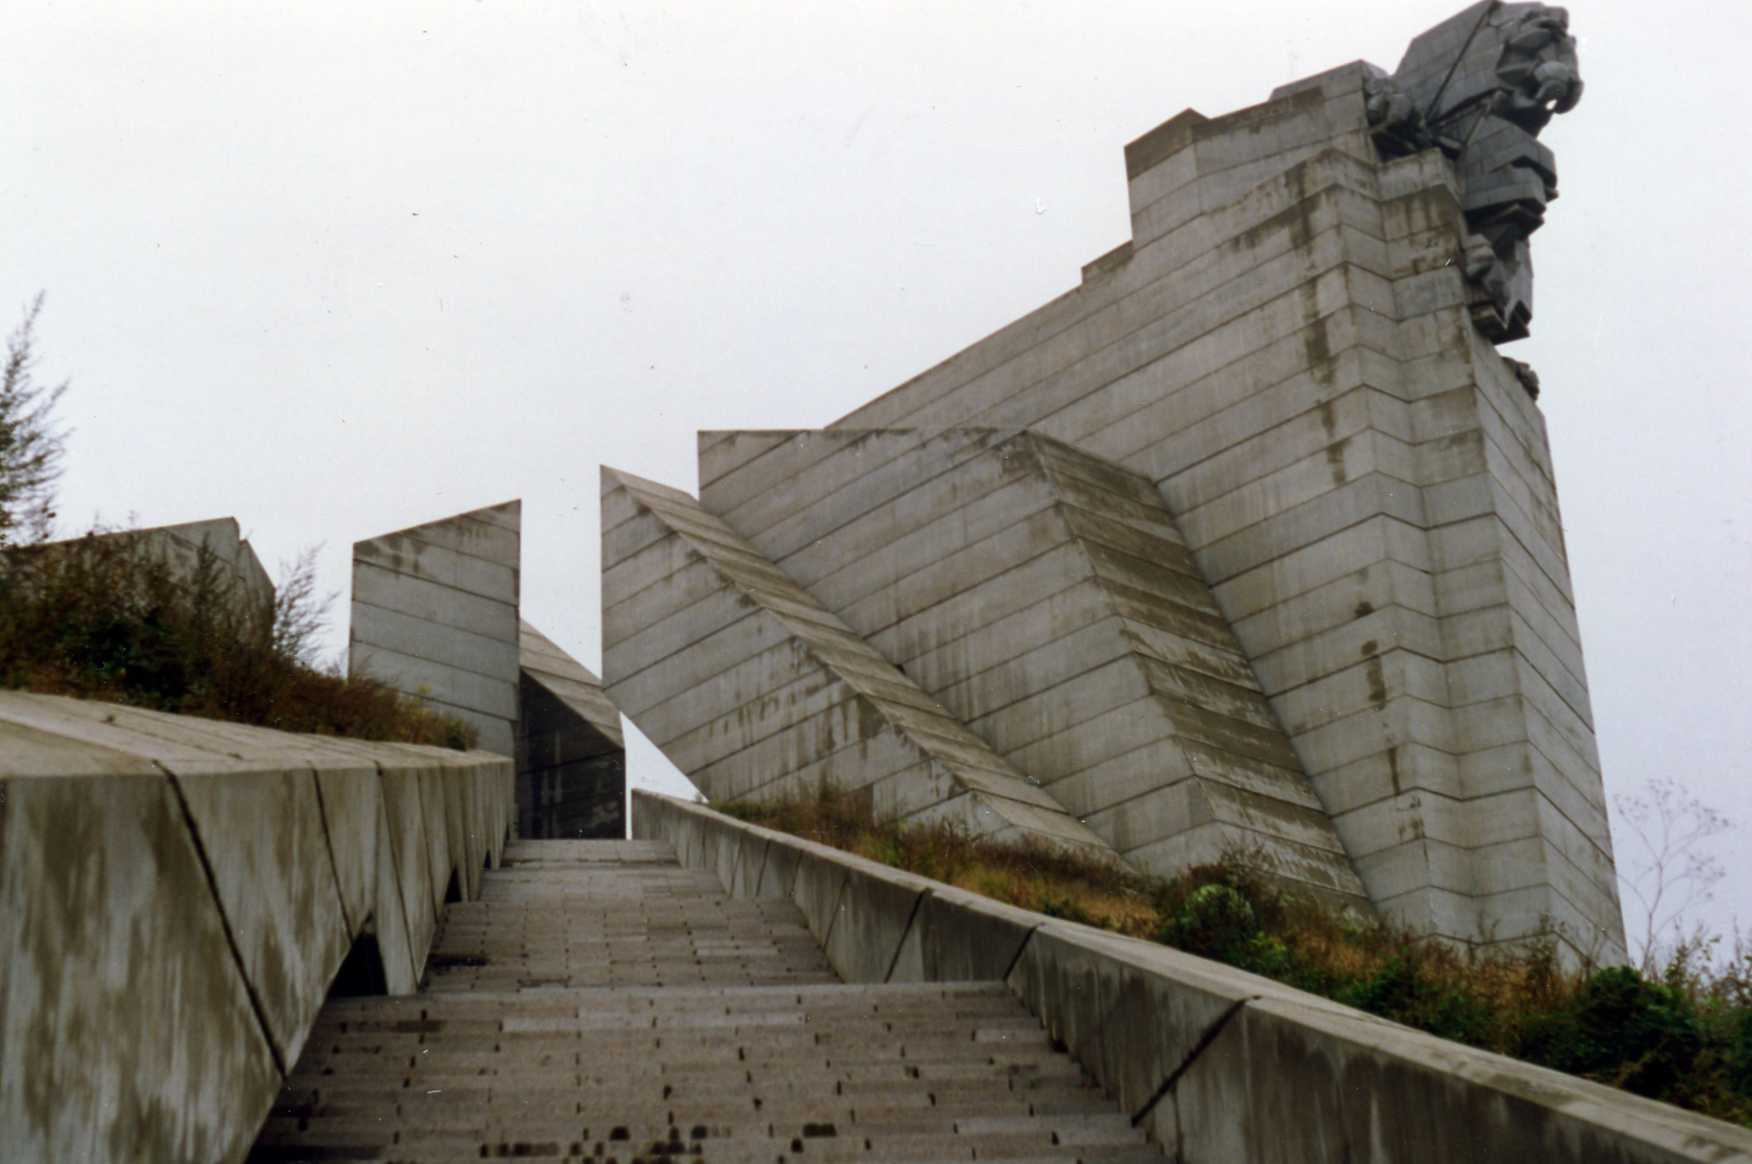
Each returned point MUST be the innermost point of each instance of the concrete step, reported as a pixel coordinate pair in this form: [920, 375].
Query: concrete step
[602, 1003]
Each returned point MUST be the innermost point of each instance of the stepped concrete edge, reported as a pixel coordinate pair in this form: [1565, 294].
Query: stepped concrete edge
[176, 898]
[1216, 1063]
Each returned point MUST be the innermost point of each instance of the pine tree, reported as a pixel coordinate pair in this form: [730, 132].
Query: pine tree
[30, 445]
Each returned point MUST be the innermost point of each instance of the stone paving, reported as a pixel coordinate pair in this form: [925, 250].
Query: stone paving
[602, 1003]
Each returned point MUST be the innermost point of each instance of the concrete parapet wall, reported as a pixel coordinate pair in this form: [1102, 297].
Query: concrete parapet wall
[177, 896]
[1217, 1064]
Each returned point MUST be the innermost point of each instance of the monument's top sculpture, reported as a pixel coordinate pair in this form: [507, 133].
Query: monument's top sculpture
[1481, 85]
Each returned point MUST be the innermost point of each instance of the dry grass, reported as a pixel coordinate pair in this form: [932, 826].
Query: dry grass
[107, 618]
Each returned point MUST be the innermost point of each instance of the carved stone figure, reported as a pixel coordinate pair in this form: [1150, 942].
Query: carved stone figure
[1480, 86]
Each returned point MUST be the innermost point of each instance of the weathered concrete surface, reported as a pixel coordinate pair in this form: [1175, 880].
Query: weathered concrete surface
[176, 896]
[601, 1002]
[811, 701]
[435, 615]
[571, 760]
[1035, 589]
[234, 562]
[1218, 1065]
[1286, 349]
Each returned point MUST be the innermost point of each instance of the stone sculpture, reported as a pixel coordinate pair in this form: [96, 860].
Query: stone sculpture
[1480, 86]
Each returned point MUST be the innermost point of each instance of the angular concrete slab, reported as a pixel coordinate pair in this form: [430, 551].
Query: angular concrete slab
[852, 703]
[435, 615]
[918, 539]
[571, 761]
[233, 560]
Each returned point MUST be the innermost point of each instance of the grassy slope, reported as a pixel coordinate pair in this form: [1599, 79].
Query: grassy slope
[106, 618]
[1682, 1034]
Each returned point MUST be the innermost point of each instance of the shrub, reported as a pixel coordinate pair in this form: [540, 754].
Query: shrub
[1215, 920]
[1622, 1029]
[112, 617]
[1682, 1034]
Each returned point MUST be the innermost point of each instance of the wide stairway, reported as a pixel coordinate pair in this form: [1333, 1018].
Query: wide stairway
[602, 1003]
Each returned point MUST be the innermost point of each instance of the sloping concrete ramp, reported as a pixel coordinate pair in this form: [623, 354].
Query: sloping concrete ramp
[1219, 1066]
[177, 896]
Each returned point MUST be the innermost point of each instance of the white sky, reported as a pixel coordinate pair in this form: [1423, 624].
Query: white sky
[338, 268]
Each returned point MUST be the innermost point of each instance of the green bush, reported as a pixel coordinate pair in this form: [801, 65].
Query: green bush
[1739, 1057]
[1215, 920]
[1622, 1029]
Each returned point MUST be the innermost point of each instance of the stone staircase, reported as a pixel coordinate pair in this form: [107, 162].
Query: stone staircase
[602, 1003]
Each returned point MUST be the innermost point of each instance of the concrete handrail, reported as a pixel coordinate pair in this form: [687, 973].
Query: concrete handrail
[177, 896]
[1217, 1064]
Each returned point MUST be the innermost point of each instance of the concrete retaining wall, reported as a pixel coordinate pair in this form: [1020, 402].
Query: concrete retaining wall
[1218, 1064]
[177, 896]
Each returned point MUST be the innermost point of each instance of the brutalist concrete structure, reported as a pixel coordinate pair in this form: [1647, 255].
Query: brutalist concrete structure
[223, 541]
[178, 895]
[1047, 598]
[755, 689]
[435, 615]
[571, 760]
[1249, 541]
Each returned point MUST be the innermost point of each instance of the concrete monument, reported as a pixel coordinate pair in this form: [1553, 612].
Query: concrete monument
[437, 615]
[571, 761]
[1249, 543]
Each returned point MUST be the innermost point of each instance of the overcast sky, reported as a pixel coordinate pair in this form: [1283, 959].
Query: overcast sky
[339, 268]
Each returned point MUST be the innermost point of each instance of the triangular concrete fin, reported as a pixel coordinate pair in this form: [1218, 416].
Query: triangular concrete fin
[753, 688]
